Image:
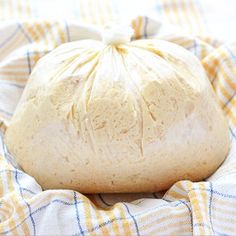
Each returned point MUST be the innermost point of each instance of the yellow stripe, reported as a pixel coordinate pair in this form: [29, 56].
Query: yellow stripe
[231, 105]
[183, 228]
[19, 8]
[203, 52]
[88, 216]
[225, 203]
[12, 44]
[168, 218]
[42, 33]
[137, 25]
[133, 24]
[11, 223]
[164, 214]
[230, 83]
[125, 223]
[100, 219]
[216, 65]
[6, 209]
[49, 27]
[11, 10]
[19, 209]
[1, 180]
[81, 10]
[20, 81]
[16, 63]
[196, 18]
[223, 211]
[172, 11]
[111, 216]
[28, 8]
[23, 70]
[100, 8]
[204, 196]
[36, 32]
[39, 32]
[180, 185]
[13, 73]
[207, 40]
[44, 198]
[175, 194]
[231, 116]
[225, 228]
[167, 10]
[220, 88]
[140, 26]
[4, 165]
[115, 226]
[186, 43]
[35, 38]
[60, 33]
[211, 66]
[2, 10]
[109, 11]
[91, 16]
[196, 207]
[183, 10]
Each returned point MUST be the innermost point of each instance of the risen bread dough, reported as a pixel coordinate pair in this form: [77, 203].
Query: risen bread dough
[134, 117]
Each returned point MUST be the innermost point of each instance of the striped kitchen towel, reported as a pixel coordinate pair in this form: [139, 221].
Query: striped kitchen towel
[30, 29]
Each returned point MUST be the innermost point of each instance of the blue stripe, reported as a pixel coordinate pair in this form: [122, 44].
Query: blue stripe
[109, 221]
[210, 206]
[24, 32]
[10, 171]
[130, 216]
[221, 62]
[233, 134]
[54, 201]
[145, 26]
[39, 210]
[135, 222]
[77, 214]
[28, 190]
[231, 54]
[67, 32]
[195, 47]
[8, 83]
[216, 192]
[230, 99]
[9, 38]
[64, 202]
[207, 226]
[18, 173]
[190, 213]
[96, 227]
[29, 207]
[202, 225]
[159, 7]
